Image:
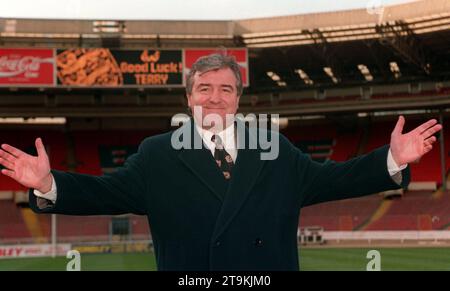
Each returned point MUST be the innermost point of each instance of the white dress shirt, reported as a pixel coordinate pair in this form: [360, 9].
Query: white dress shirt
[229, 142]
[227, 136]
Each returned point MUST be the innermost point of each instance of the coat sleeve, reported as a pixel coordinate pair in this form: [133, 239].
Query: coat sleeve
[117, 193]
[363, 175]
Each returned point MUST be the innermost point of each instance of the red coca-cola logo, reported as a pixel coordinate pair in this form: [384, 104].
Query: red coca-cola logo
[27, 65]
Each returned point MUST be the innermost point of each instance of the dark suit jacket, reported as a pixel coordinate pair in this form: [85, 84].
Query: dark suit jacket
[199, 221]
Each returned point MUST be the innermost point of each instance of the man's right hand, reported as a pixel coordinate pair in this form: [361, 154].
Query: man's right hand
[32, 172]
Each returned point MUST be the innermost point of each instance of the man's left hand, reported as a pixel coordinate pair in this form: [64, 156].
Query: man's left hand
[411, 146]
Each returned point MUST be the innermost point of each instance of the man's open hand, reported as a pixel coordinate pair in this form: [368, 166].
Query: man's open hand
[411, 146]
[32, 172]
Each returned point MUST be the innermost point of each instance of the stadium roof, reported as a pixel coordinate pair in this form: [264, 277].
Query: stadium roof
[332, 48]
[400, 45]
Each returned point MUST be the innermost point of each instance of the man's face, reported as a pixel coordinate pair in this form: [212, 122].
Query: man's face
[216, 93]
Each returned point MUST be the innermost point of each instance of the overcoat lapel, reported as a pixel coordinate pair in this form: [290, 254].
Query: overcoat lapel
[202, 164]
[234, 192]
[244, 175]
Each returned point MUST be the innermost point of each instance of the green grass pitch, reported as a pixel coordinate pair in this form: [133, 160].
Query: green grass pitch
[311, 259]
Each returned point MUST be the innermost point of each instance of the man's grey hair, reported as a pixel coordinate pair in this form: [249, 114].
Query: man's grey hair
[214, 62]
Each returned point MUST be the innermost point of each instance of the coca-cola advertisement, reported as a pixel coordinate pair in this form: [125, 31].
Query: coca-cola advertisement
[27, 67]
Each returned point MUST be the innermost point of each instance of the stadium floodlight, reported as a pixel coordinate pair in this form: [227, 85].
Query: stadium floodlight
[395, 69]
[365, 72]
[304, 76]
[273, 76]
[276, 78]
[302, 73]
[363, 69]
[330, 73]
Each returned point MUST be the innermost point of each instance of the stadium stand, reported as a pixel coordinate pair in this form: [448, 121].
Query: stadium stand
[340, 215]
[415, 210]
[341, 123]
[12, 224]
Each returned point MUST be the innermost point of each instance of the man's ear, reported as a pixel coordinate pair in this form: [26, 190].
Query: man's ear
[188, 97]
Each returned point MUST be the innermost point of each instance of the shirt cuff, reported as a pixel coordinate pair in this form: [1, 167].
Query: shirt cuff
[393, 168]
[50, 195]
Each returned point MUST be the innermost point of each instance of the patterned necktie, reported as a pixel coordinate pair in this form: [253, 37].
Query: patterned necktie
[223, 159]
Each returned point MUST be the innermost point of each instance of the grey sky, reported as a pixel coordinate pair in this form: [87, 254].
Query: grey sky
[175, 9]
